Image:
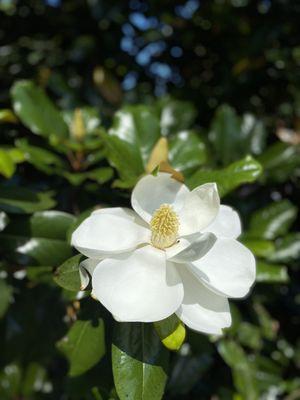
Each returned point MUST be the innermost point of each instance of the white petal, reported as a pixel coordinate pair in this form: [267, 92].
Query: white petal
[200, 208]
[109, 232]
[191, 248]
[153, 191]
[227, 224]
[228, 268]
[86, 269]
[202, 309]
[141, 286]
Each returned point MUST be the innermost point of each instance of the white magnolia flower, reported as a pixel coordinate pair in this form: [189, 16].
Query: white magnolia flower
[175, 253]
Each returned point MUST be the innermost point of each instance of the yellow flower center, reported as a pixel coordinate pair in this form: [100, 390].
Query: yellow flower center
[164, 227]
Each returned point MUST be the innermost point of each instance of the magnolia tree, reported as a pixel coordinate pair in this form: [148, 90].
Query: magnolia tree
[119, 259]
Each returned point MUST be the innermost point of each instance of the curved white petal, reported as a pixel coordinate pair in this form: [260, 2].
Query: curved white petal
[86, 269]
[191, 248]
[140, 286]
[108, 232]
[202, 309]
[228, 268]
[200, 208]
[153, 191]
[227, 224]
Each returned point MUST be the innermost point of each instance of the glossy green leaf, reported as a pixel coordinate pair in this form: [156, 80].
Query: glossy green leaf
[253, 135]
[272, 221]
[175, 115]
[171, 332]
[83, 345]
[5, 296]
[50, 224]
[281, 161]
[139, 362]
[124, 157]
[67, 275]
[238, 173]
[139, 127]
[19, 200]
[287, 249]
[38, 239]
[271, 273]
[36, 110]
[187, 151]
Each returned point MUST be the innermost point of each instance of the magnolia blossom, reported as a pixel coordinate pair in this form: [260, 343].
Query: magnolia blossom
[175, 252]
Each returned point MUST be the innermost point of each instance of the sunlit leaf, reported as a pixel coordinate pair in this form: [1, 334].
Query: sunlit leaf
[271, 273]
[171, 332]
[240, 172]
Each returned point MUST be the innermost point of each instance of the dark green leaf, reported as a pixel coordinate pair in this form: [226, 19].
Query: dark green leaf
[272, 221]
[5, 296]
[19, 200]
[40, 274]
[175, 115]
[37, 111]
[124, 157]
[139, 362]
[269, 326]
[225, 134]
[187, 151]
[253, 135]
[50, 224]
[281, 161]
[38, 239]
[67, 275]
[240, 172]
[249, 335]
[83, 345]
[100, 175]
[42, 159]
[287, 249]
[139, 127]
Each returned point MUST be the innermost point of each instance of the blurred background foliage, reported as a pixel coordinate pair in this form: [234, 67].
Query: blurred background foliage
[88, 88]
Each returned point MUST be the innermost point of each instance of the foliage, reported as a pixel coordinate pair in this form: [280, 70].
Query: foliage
[69, 144]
